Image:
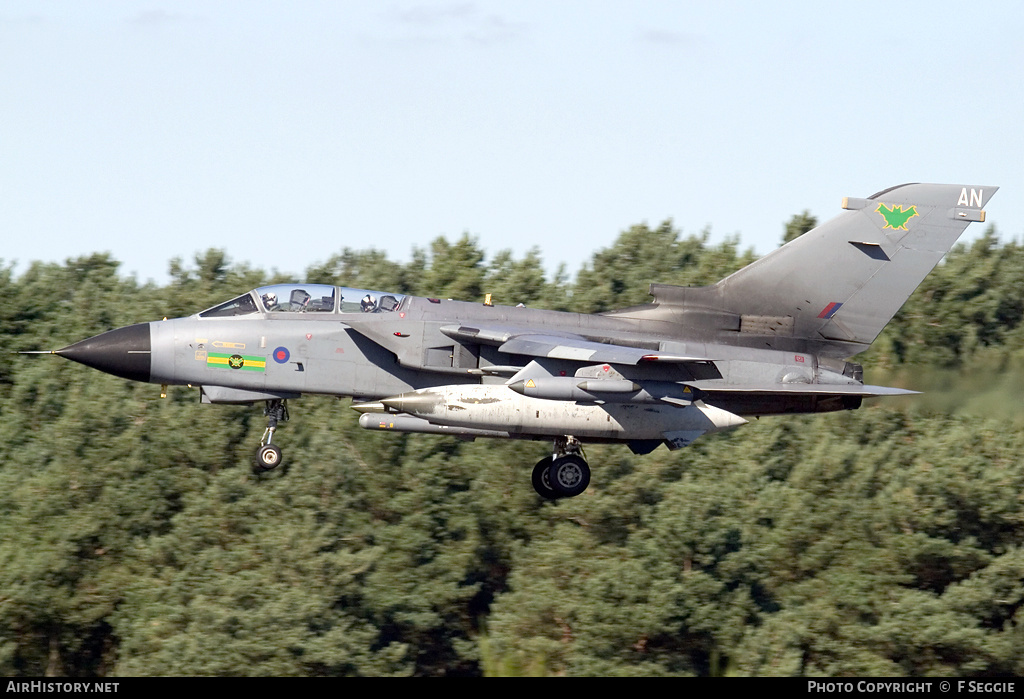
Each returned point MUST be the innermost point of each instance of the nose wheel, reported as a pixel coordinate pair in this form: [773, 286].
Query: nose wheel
[268, 456]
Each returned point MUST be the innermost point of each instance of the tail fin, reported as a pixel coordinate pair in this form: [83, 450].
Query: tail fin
[841, 282]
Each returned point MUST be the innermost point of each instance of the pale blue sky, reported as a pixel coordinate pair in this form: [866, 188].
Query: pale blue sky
[284, 132]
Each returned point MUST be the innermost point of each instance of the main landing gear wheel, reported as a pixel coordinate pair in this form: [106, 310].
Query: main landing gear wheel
[564, 474]
[569, 475]
[541, 481]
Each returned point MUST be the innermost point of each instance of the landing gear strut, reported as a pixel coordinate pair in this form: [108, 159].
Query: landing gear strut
[564, 474]
[268, 456]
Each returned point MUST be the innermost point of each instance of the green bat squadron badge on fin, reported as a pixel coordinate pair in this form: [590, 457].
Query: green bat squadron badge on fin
[897, 216]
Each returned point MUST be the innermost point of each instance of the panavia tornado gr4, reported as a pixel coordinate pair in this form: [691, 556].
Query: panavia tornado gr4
[773, 338]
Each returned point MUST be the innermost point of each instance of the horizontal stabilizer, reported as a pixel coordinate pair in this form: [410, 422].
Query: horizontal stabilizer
[821, 389]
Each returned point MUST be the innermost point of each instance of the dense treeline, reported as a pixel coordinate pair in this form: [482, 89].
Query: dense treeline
[135, 539]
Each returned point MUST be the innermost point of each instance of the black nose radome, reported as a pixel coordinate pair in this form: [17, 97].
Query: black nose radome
[124, 352]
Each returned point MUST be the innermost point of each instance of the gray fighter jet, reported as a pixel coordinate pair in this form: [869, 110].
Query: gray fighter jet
[771, 339]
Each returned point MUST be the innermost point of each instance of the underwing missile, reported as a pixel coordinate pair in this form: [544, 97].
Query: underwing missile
[391, 422]
[499, 408]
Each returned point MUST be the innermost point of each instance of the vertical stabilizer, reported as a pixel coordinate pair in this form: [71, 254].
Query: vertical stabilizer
[844, 280]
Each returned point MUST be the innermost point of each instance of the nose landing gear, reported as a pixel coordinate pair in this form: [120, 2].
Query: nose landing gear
[268, 456]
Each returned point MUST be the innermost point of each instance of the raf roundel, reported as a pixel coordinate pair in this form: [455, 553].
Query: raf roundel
[281, 355]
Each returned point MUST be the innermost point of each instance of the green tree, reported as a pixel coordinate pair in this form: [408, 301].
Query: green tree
[621, 275]
[456, 270]
[798, 225]
[135, 539]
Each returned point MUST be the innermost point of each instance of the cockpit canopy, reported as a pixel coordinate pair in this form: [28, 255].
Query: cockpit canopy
[290, 298]
[306, 298]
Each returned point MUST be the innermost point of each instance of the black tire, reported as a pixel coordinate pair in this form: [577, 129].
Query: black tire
[268, 457]
[569, 476]
[540, 479]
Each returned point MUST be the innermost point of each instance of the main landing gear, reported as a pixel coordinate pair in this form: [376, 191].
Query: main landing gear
[563, 474]
[268, 456]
